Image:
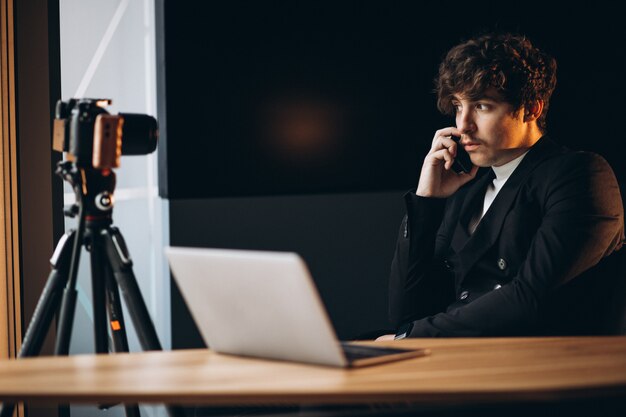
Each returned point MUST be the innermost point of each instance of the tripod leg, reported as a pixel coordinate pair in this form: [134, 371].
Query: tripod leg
[47, 305]
[99, 275]
[122, 267]
[116, 315]
[68, 304]
[118, 327]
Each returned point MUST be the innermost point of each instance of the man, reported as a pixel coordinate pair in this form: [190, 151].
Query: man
[520, 244]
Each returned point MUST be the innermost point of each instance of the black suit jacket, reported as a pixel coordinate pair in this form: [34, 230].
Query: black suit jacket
[537, 264]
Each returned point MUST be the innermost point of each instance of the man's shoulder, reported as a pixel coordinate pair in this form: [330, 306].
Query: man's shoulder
[568, 161]
[554, 159]
[580, 176]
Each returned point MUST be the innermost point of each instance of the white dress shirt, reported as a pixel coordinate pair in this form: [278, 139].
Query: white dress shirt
[502, 174]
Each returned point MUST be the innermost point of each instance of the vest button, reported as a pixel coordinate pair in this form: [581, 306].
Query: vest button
[497, 287]
[464, 295]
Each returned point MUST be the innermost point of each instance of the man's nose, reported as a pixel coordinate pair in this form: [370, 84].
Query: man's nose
[465, 121]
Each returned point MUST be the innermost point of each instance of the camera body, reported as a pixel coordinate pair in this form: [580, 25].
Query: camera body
[94, 138]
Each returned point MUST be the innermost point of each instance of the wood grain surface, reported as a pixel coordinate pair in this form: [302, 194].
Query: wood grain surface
[457, 371]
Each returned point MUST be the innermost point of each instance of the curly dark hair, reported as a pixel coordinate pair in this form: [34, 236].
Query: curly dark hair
[521, 73]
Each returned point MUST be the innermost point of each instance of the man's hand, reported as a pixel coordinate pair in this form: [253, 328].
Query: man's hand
[386, 337]
[437, 178]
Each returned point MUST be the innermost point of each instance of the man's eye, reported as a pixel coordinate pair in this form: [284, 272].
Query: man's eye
[456, 107]
[482, 106]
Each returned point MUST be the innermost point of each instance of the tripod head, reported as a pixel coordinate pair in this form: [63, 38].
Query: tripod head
[93, 140]
[93, 190]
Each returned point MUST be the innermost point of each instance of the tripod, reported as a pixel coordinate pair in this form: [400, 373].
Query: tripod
[111, 271]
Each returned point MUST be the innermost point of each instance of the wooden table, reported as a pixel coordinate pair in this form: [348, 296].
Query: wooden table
[457, 372]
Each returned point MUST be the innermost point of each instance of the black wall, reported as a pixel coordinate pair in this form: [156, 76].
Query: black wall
[368, 65]
[346, 239]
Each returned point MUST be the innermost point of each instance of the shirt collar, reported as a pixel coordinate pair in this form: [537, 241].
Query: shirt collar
[503, 172]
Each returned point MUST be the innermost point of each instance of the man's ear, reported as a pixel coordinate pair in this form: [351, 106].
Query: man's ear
[533, 113]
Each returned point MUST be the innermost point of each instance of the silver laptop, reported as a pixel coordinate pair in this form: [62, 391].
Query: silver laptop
[264, 304]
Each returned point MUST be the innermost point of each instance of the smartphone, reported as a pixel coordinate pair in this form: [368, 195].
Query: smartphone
[462, 162]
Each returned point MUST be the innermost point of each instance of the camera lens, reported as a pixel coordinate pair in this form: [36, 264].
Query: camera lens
[140, 133]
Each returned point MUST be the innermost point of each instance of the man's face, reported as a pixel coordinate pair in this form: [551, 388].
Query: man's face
[490, 131]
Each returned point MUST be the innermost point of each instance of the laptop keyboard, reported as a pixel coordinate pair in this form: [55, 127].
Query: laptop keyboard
[354, 352]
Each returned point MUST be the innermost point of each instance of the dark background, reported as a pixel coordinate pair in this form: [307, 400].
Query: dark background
[297, 125]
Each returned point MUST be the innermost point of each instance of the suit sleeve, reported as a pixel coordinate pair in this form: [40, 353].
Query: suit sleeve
[416, 287]
[582, 223]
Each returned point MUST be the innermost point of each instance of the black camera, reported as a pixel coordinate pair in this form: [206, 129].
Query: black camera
[94, 138]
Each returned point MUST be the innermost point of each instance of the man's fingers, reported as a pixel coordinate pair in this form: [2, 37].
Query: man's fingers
[445, 132]
[443, 155]
[444, 142]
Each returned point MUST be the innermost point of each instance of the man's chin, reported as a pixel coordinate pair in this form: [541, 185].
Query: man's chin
[479, 162]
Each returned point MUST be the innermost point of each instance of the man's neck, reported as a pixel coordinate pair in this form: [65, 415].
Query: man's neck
[532, 138]
[504, 171]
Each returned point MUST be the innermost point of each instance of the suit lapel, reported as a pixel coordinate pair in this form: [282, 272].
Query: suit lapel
[490, 226]
[469, 207]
